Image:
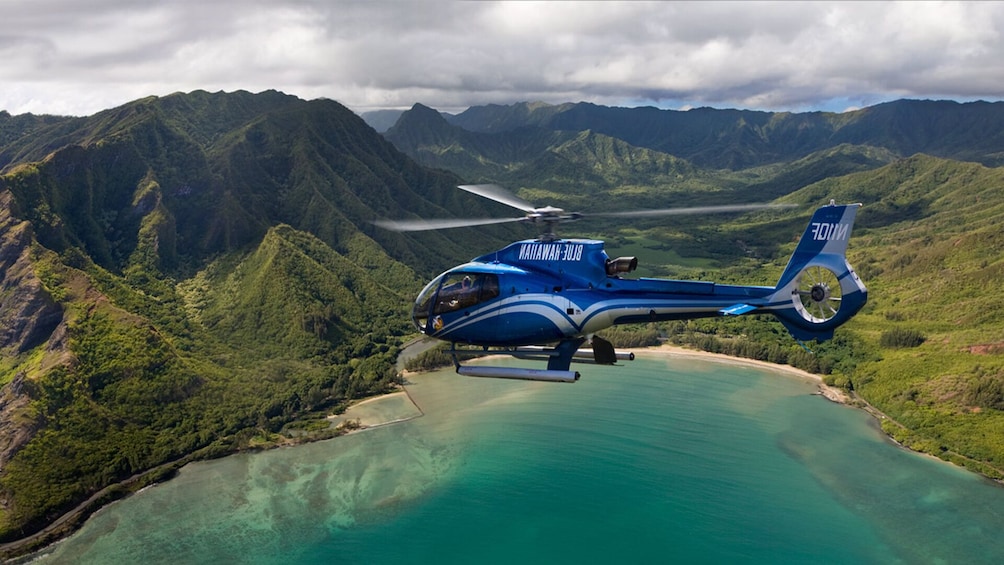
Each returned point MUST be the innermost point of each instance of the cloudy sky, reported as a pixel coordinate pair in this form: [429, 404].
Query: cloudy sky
[76, 58]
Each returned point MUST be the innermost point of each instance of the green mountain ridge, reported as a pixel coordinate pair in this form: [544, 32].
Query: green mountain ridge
[740, 139]
[317, 295]
[208, 255]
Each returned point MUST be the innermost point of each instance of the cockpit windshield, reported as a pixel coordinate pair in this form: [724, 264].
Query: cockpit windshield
[454, 291]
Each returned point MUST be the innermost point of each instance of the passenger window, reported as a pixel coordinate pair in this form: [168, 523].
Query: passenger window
[489, 287]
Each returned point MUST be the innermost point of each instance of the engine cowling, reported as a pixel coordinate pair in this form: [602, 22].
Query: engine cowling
[621, 265]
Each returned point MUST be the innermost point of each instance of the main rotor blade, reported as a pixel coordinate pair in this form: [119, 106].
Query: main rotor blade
[498, 194]
[424, 225]
[694, 210]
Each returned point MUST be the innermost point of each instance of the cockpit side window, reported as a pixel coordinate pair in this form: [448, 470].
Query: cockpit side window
[463, 290]
[420, 313]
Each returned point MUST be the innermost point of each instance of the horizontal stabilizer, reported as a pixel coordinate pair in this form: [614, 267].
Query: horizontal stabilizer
[737, 310]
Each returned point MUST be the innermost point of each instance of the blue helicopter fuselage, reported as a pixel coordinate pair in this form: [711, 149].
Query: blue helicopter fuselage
[535, 291]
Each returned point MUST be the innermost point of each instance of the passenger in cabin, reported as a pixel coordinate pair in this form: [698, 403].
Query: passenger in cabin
[466, 292]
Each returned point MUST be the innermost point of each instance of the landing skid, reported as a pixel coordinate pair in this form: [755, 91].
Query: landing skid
[518, 373]
[559, 357]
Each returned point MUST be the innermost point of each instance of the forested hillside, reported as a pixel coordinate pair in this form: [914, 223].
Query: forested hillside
[186, 272]
[933, 252]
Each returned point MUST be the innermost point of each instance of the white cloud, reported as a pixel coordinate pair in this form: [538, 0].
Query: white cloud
[67, 57]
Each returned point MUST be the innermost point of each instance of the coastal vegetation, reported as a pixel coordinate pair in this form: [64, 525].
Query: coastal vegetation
[433, 358]
[199, 273]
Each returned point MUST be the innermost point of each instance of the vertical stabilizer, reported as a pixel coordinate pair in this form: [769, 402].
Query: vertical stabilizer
[819, 289]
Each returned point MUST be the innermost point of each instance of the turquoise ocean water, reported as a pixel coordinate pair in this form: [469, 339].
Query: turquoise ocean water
[662, 460]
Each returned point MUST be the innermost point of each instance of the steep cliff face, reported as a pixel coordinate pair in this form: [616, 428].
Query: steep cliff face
[17, 426]
[28, 314]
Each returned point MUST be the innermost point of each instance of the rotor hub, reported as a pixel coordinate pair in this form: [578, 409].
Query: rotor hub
[819, 293]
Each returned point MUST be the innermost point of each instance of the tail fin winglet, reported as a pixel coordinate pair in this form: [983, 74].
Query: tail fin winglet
[827, 233]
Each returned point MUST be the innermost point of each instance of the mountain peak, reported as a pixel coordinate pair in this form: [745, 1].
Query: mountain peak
[423, 121]
[422, 114]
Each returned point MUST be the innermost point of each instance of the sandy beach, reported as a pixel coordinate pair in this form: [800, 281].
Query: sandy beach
[831, 393]
[379, 411]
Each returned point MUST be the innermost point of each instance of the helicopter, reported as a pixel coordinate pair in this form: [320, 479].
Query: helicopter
[543, 298]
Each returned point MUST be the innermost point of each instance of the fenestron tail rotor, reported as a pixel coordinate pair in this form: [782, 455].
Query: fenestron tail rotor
[549, 215]
[818, 294]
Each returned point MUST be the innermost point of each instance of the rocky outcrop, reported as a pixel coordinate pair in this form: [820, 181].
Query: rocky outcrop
[17, 426]
[28, 314]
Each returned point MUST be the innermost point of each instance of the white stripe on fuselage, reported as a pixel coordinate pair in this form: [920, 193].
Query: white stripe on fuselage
[594, 317]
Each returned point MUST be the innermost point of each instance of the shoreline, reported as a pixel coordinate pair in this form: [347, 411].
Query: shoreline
[69, 523]
[832, 394]
[354, 423]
